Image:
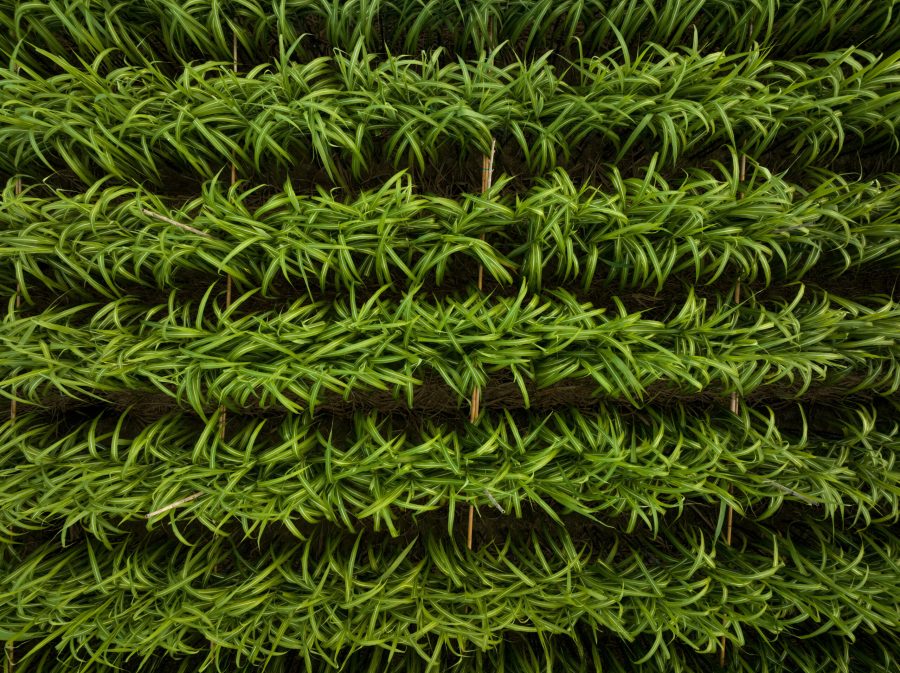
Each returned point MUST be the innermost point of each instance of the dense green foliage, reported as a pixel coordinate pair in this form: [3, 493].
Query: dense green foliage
[611, 463]
[636, 233]
[353, 593]
[290, 358]
[428, 335]
[352, 113]
[203, 29]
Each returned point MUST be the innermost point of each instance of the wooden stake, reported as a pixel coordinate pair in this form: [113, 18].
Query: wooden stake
[487, 179]
[475, 405]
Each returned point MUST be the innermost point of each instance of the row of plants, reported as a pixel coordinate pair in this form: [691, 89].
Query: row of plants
[328, 597]
[187, 30]
[108, 472]
[633, 233]
[201, 354]
[352, 113]
[579, 652]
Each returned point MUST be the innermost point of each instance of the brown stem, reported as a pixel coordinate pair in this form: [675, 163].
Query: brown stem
[487, 168]
[475, 405]
[177, 503]
[175, 223]
[487, 178]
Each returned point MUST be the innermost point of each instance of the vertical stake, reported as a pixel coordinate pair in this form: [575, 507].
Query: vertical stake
[487, 173]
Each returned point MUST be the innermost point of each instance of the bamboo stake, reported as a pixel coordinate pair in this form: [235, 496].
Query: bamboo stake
[487, 178]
